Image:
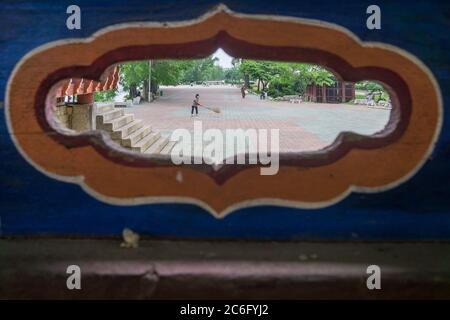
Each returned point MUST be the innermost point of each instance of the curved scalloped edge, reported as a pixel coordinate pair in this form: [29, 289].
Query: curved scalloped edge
[221, 209]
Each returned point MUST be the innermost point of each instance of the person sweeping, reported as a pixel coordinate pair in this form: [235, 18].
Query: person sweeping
[197, 103]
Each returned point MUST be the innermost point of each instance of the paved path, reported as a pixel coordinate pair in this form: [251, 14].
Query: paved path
[303, 127]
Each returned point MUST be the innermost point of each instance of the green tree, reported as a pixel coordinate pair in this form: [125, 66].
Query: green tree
[216, 73]
[320, 76]
[135, 75]
[262, 71]
[203, 70]
[170, 72]
[233, 75]
[292, 79]
[369, 85]
[105, 96]
[278, 78]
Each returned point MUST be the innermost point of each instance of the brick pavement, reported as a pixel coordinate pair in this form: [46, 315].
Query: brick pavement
[303, 127]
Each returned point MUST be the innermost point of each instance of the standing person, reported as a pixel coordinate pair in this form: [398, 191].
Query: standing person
[137, 99]
[195, 105]
[243, 92]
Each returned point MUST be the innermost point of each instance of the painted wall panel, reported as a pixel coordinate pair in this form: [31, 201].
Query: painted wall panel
[31, 203]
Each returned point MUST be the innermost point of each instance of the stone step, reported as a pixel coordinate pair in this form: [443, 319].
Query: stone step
[128, 129]
[119, 142]
[157, 146]
[136, 136]
[110, 115]
[104, 107]
[146, 142]
[195, 149]
[168, 147]
[115, 124]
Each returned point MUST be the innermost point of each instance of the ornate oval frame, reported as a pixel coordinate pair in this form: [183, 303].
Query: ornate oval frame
[304, 180]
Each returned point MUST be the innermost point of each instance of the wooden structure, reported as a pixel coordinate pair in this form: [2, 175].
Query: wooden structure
[339, 92]
[83, 89]
[365, 189]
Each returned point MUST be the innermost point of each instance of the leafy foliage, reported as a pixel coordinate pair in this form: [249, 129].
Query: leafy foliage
[277, 78]
[320, 76]
[170, 72]
[104, 96]
[233, 75]
[134, 75]
[263, 71]
[376, 90]
[369, 85]
[282, 78]
[203, 70]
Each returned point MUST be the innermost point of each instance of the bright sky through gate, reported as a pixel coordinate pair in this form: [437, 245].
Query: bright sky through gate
[224, 58]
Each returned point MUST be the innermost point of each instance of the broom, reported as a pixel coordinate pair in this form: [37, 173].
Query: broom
[215, 109]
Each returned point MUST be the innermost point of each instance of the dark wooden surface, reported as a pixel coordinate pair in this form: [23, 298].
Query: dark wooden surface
[36, 268]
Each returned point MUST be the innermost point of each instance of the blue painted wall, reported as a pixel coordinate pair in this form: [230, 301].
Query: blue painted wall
[419, 209]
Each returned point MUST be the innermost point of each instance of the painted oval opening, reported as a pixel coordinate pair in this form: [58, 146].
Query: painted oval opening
[309, 179]
[221, 110]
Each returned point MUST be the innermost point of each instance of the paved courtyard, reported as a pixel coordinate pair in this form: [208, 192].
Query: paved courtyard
[303, 127]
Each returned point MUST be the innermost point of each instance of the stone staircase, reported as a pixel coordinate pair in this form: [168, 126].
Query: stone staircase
[131, 133]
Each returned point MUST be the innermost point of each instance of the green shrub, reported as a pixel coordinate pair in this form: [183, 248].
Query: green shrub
[360, 96]
[104, 96]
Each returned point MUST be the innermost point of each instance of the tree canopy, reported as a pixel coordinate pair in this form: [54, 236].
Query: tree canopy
[284, 78]
[166, 72]
[203, 70]
[278, 78]
[135, 74]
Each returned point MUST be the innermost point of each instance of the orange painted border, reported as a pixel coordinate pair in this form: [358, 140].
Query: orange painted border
[370, 164]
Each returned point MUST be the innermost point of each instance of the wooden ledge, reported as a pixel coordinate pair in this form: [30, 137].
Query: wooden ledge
[36, 268]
